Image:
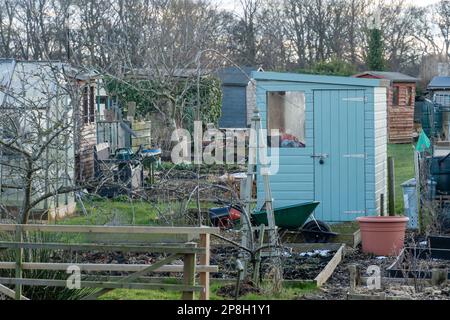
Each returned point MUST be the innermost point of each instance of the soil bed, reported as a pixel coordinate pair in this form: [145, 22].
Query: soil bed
[296, 265]
[229, 290]
[337, 287]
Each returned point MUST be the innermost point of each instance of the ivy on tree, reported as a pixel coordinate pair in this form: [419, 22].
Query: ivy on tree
[375, 59]
[176, 98]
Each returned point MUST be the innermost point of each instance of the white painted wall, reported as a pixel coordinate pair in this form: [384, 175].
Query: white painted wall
[380, 127]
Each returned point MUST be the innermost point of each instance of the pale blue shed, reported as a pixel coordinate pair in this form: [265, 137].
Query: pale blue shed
[333, 142]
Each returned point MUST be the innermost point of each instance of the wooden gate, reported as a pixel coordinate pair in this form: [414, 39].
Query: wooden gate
[176, 242]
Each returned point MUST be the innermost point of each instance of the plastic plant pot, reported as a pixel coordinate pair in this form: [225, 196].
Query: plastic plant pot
[383, 236]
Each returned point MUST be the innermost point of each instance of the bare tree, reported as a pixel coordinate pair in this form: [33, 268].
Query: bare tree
[442, 11]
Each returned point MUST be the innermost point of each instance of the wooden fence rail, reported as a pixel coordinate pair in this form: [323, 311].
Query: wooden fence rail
[188, 251]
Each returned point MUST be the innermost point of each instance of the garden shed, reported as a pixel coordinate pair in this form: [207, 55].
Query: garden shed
[237, 97]
[400, 100]
[333, 142]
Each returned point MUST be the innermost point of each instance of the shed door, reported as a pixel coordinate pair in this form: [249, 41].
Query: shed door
[339, 158]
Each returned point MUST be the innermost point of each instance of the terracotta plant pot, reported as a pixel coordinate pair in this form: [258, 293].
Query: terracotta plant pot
[383, 236]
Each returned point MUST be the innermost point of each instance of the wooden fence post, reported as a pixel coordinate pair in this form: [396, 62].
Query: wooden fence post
[355, 277]
[204, 260]
[391, 186]
[189, 273]
[439, 276]
[19, 258]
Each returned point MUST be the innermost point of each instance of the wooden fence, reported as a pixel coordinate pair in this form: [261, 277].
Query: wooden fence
[176, 242]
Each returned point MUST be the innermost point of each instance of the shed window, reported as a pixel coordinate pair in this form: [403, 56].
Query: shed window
[409, 96]
[85, 105]
[89, 104]
[286, 113]
[395, 96]
[92, 105]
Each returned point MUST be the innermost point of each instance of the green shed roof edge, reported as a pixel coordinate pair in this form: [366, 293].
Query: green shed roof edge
[299, 77]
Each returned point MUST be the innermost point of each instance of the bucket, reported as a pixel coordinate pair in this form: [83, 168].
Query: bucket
[383, 236]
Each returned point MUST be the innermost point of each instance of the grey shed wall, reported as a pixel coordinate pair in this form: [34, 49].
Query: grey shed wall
[234, 96]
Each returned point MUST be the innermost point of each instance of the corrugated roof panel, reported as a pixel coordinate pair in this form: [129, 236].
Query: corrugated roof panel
[439, 83]
[236, 76]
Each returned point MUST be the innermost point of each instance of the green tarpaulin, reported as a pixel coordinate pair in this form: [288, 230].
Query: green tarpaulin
[424, 143]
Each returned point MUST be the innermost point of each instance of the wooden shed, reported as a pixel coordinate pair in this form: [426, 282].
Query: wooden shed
[332, 142]
[93, 104]
[401, 99]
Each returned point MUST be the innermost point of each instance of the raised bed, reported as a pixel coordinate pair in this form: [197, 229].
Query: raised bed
[348, 233]
[298, 265]
[419, 263]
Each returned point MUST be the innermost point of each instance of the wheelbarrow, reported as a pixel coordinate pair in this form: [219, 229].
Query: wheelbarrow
[293, 218]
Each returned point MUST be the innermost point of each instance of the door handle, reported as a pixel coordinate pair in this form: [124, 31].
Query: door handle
[319, 155]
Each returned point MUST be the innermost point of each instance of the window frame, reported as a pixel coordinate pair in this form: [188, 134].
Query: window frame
[293, 141]
[395, 95]
[409, 96]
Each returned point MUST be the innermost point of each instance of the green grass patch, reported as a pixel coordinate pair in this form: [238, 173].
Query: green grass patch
[403, 168]
[105, 211]
[290, 291]
[122, 212]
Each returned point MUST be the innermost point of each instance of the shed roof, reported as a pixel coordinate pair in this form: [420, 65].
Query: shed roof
[335, 80]
[239, 76]
[393, 76]
[28, 80]
[439, 83]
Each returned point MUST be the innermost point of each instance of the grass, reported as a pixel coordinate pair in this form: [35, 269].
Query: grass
[104, 211]
[289, 292]
[403, 168]
[121, 212]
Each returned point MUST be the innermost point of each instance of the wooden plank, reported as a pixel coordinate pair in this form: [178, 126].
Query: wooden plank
[354, 296]
[136, 275]
[110, 229]
[326, 273]
[204, 260]
[10, 293]
[19, 258]
[378, 296]
[100, 267]
[139, 238]
[314, 246]
[81, 246]
[99, 284]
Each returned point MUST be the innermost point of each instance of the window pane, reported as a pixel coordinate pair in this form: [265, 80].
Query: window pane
[409, 96]
[286, 113]
[92, 105]
[395, 97]
[85, 105]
